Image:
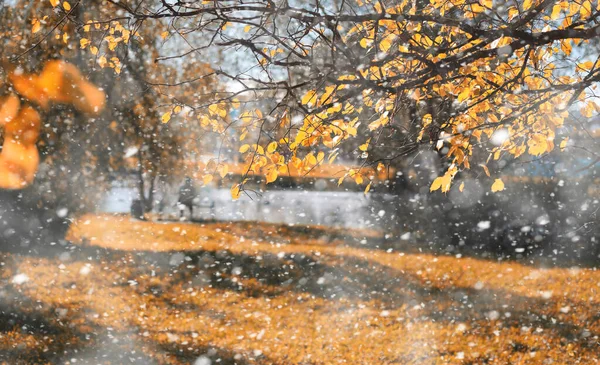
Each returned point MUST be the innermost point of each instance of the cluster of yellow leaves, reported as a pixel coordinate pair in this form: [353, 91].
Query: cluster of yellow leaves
[360, 175]
[113, 34]
[211, 170]
[485, 109]
[214, 119]
[265, 160]
[66, 5]
[444, 182]
[491, 92]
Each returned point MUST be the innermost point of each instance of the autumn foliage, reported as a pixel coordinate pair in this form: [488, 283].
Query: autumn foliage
[59, 82]
[388, 76]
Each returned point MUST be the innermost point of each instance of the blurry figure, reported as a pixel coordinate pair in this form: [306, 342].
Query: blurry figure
[187, 195]
[137, 209]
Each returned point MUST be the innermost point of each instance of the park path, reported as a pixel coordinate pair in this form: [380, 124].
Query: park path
[250, 293]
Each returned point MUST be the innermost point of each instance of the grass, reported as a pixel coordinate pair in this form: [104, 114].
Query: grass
[251, 293]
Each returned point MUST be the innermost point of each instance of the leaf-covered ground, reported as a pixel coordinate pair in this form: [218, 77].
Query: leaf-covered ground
[250, 293]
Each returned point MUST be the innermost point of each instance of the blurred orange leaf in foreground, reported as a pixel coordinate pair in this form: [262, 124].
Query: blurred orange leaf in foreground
[59, 82]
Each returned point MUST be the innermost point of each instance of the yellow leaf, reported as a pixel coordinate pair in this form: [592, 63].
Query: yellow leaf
[427, 119]
[464, 95]
[566, 47]
[166, 117]
[84, 43]
[365, 146]
[320, 156]
[368, 187]
[244, 148]
[586, 66]
[235, 191]
[446, 181]
[102, 61]
[207, 179]
[436, 184]
[126, 35]
[498, 185]
[272, 147]
[177, 109]
[271, 175]
[259, 149]
[385, 44]
[247, 28]
[358, 179]
[327, 94]
[222, 112]
[527, 5]
[54, 3]
[461, 187]
[164, 34]
[246, 117]
[67, 6]
[341, 180]
[309, 97]
[563, 144]
[586, 9]
[332, 157]
[213, 109]
[223, 169]
[537, 145]
[37, 25]
[555, 11]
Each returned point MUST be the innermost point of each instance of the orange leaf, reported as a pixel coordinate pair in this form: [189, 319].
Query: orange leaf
[36, 26]
[235, 191]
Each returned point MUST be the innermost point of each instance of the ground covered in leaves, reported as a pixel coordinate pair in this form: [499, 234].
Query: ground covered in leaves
[249, 293]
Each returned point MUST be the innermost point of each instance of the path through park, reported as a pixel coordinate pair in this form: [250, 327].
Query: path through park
[248, 293]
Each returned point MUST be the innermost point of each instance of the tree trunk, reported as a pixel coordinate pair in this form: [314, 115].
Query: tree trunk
[141, 184]
[150, 201]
